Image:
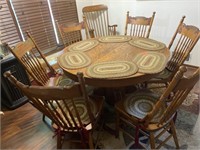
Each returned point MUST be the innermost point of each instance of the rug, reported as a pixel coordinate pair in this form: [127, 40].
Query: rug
[187, 127]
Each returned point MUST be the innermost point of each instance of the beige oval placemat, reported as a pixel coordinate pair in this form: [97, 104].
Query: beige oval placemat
[114, 38]
[83, 45]
[150, 62]
[147, 44]
[112, 69]
[74, 60]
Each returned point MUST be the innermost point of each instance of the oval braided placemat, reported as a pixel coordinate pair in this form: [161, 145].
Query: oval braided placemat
[112, 69]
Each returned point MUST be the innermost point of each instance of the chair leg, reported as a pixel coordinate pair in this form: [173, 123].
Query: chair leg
[117, 126]
[91, 144]
[59, 141]
[84, 138]
[152, 140]
[173, 130]
[43, 118]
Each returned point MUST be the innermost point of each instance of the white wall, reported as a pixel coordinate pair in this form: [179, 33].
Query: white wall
[168, 15]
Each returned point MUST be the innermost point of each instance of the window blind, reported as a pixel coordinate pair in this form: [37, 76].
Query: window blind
[8, 31]
[34, 16]
[64, 11]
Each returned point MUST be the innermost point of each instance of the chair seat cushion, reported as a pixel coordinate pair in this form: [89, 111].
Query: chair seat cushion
[165, 74]
[82, 110]
[140, 103]
[64, 81]
[59, 80]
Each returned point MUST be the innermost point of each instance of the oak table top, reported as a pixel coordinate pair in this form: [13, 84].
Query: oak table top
[114, 61]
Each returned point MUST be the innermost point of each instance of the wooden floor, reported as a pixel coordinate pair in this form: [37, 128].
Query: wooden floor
[23, 128]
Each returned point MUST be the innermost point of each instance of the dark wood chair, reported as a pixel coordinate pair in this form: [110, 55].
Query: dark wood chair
[183, 42]
[35, 63]
[70, 108]
[139, 26]
[71, 33]
[97, 22]
[150, 113]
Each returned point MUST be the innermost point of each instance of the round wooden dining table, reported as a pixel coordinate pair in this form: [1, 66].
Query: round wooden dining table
[114, 61]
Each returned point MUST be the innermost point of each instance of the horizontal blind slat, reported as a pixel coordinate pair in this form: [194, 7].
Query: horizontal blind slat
[8, 29]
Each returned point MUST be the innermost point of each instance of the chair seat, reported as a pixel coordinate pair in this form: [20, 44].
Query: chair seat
[59, 80]
[95, 104]
[82, 110]
[163, 77]
[165, 74]
[138, 104]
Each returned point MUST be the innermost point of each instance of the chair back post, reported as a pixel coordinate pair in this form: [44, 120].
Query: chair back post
[85, 95]
[150, 25]
[87, 32]
[43, 57]
[126, 26]
[60, 32]
[174, 36]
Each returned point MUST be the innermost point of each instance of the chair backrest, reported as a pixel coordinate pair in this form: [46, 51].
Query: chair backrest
[71, 33]
[60, 103]
[96, 18]
[183, 41]
[33, 60]
[138, 26]
[174, 95]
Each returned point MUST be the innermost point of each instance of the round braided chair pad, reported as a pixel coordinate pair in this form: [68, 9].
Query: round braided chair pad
[139, 104]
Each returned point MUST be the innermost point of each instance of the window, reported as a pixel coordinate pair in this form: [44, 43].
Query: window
[36, 17]
[8, 30]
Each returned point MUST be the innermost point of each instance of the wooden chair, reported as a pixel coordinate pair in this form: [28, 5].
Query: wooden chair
[71, 33]
[35, 63]
[138, 26]
[97, 22]
[148, 113]
[69, 108]
[183, 42]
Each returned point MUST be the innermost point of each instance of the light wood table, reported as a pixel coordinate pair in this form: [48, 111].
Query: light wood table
[108, 51]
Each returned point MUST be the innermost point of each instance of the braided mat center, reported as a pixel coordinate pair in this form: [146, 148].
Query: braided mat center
[140, 104]
[74, 60]
[150, 62]
[147, 44]
[114, 39]
[83, 45]
[112, 69]
[82, 110]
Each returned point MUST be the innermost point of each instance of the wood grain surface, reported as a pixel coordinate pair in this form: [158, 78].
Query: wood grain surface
[108, 51]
